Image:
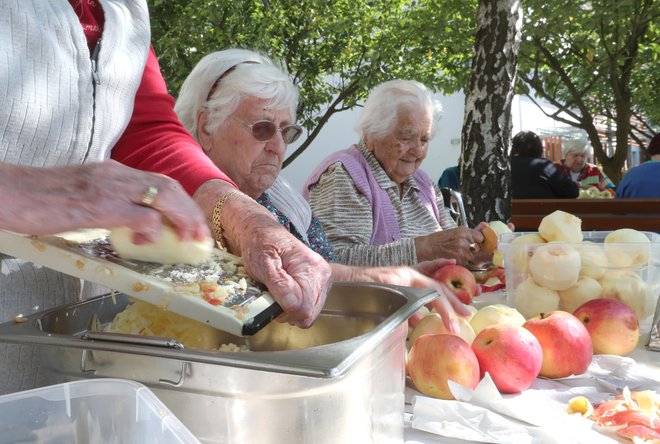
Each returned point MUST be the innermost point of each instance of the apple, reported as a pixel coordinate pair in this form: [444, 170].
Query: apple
[530, 299]
[511, 355]
[555, 266]
[433, 324]
[459, 280]
[585, 289]
[561, 226]
[496, 314]
[612, 325]
[594, 262]
[630, 289]
[519, 255]
[435, 359]
[627, 248]
[566, 344]
[491, 234]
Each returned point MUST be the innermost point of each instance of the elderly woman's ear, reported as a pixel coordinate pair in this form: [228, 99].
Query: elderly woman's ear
[203, 136]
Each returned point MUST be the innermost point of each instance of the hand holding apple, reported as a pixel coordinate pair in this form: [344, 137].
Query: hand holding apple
[459, 280]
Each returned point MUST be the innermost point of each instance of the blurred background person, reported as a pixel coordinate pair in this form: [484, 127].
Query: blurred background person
[533, 176]
[376, 206]
[575, 165]
[244, 122]
[643, 181]
[451, 177]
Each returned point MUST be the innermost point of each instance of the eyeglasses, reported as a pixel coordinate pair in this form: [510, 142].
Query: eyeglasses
[264, 130]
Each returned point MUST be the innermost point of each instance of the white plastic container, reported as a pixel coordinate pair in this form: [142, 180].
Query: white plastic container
[90, 411]
[626, 271]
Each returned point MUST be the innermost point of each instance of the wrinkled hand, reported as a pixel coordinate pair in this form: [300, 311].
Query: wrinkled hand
[460, 243]
[296, 277]
[446, 303]
[98, 195]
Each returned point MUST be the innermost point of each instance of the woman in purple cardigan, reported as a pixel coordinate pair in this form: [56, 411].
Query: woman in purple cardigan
[376, 206]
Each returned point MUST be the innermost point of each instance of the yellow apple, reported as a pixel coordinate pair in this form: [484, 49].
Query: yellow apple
[585, 289]
[496, 314]
[530, 299]
[555, 266]
[561, 226]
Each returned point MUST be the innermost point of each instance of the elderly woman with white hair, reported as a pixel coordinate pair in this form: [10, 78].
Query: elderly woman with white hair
[575, 165]
[376, 206]
[241, 108]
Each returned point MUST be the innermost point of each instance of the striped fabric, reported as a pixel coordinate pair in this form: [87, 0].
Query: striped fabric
[347, 216]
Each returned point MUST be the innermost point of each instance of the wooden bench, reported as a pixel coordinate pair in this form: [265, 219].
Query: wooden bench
[596, 214]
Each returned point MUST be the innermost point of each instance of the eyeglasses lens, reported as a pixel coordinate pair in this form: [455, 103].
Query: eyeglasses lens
[265, 130]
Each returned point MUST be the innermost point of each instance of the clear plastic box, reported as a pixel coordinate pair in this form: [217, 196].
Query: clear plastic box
[89, 411]
[626, 271]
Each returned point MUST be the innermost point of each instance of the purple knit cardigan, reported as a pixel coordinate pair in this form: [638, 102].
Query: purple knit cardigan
[386, 227]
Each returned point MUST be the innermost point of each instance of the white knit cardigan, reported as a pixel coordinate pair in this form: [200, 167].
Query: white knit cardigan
[52, 114]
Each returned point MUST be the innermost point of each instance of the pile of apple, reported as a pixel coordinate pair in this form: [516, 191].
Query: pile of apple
[555, 270]
[595, 193]
[497, 339]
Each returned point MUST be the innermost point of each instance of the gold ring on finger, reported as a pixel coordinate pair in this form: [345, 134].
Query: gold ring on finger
[149, 196]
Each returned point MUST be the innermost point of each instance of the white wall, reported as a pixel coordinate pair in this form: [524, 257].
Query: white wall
[444, 148]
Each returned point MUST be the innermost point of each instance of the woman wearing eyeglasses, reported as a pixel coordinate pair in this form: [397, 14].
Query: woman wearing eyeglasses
[376, 206]
[241, 108]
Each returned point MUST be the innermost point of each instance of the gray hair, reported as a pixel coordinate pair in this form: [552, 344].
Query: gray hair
[221, 79]
[577, 146]
[382, 106]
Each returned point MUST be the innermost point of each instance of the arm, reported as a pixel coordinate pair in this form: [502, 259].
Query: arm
[446, 304]
[98, 195]
[155, 140]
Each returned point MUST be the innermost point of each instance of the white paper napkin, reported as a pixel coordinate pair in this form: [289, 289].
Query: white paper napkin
[536, 415]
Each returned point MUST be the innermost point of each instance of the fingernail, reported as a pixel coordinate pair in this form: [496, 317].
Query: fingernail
[289, 301]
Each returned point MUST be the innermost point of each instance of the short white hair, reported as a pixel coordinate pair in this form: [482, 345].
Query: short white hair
[382, 106]
[577, 146]
[232, 75]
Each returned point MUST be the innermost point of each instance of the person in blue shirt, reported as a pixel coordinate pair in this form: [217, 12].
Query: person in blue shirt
[643, 181]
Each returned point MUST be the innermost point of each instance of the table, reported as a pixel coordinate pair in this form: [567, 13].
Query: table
[647, 361]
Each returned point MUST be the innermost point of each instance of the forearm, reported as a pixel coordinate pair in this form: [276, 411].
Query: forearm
[44, 200]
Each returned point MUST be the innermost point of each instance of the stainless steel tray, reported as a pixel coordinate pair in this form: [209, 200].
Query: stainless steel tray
[245, 306]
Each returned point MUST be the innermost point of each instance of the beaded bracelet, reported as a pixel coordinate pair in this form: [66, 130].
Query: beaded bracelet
[217, 225]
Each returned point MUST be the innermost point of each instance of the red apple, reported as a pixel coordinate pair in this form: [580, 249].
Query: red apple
[613, 326]
[435, 359]
[565, 341]
[459, 280]
[510, 354]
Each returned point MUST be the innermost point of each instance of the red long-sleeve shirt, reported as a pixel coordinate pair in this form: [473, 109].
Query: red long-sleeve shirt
[154, 140]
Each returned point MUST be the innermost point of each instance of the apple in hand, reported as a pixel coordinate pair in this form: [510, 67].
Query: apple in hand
[459, 280]
[435, 359]
[565, 341]
[510, 354]
[613, 326]
[433, 324]
[491, 233]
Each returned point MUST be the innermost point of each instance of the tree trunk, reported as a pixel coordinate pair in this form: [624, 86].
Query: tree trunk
[486, 135]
